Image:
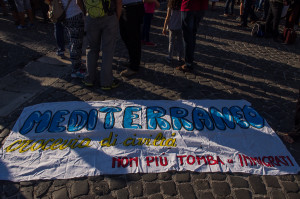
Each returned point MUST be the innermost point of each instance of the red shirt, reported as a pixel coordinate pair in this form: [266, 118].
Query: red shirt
[194, 5]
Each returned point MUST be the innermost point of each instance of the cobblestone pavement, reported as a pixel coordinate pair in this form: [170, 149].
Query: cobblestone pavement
[231, 65]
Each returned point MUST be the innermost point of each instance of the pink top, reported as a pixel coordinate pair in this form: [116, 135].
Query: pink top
[194, 5]
[149, 7]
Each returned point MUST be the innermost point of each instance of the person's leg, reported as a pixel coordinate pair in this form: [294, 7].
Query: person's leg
[190, 23]
[276, 19]
[226, 7]
[179, 44]
[93, 35]
[59, 37]
[75, 27]
[171, 44]
[146, 26]
[266, 9]
[109, 36]
[269, 21]
[4, 9]
[247, 7]
[27, 7]
[231, 11]
[130, 26]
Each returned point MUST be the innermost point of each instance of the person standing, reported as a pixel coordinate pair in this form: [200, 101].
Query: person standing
[192, 12]
[101, 26]
[130, 29]
[248, 10]
[173, 24]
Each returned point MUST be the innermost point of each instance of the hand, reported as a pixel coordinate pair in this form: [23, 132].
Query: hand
[164, 32]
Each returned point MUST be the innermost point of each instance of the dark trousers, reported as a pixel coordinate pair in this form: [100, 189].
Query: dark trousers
[130, 30]
[59, 36]
[146, 26]
[266, 9]
[231, 6]
[248, 10]
[273, 19]
[190, 23]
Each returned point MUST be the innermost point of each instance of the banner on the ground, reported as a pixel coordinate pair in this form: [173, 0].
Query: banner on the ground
[73, 139]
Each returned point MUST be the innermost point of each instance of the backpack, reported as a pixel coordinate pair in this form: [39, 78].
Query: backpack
[258, 30]
[289, 36]
[56, 12]
[98, 8]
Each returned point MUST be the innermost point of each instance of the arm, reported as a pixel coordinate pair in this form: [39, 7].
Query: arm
[119, 8]
[166, 21]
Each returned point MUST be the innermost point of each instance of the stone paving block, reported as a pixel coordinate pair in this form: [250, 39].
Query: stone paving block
[27, 183]
[186, 191]
[286, 178]
[221, 188]
[156, 196]
[116, 183]
[41, 188]
[122, 194]
[293, 195]
[238, 182]
[61, 193]
[277, 194]
[272, 181]
[106, 197]
[149, 177]
[152, 188]
[257, 185]
[4, 133]
[26, 192]
[100, 188]
[242, 194]
[196, 176]
[136, 189]
[58, 183]
[96, 178]
[201, 185]
[11, 189]
[165, 176]
[290, 187]
[79, 188]
[133, 177]
[205, 195]
[168, 188]
[182, 177]
[218, 176]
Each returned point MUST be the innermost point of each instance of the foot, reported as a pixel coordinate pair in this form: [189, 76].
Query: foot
[128, 72]
[87, 82]
[184, 68]
[114, 84]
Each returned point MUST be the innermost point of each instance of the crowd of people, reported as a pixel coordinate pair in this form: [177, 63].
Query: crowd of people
[102, 20]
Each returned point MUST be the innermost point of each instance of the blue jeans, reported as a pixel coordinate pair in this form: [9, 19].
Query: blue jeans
[190, 23]
[59, 36]
[227, 6]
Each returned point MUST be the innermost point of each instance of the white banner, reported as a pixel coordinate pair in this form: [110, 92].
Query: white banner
[73, 139]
